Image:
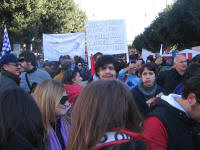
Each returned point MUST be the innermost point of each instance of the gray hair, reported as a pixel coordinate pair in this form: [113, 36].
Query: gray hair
[66, 65]
[178, 55]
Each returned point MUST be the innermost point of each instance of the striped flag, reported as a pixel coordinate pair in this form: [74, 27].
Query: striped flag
[6, 43]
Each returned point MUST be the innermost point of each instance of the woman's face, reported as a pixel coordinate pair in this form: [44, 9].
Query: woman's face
[77, 80]
[60, 108]
[148, 77]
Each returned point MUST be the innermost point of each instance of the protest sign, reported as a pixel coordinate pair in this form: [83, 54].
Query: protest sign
[56, 45]
[107, 37]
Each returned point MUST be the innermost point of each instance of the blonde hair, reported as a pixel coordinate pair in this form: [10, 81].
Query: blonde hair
[47, 95]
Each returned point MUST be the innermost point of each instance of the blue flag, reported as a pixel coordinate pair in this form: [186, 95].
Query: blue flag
[6, 43]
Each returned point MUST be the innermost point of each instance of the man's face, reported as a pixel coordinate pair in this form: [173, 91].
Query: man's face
[124, 59]
[181, 64]
[195, 112]
[24, 66]
[139, 64]
[194, 107]
[79, 65]
[132, 68]
[107, 72]
[12, 67]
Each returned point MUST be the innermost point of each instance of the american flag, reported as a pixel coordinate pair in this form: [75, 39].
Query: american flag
[6, 43]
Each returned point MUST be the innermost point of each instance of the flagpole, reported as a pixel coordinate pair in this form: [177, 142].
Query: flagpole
[161, 49]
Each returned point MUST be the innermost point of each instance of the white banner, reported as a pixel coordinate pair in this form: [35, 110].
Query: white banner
[56, 45]
[146, 53]
[189, 54]
[107, 37]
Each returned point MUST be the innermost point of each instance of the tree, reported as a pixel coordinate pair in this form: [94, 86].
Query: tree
[178, 25]
[27, 19]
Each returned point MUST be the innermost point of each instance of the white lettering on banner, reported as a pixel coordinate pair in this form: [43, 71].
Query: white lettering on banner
[56, 45]
[108, 37]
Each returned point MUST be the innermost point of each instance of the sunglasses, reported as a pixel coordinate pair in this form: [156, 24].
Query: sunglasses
[15, 65]
[64, 99]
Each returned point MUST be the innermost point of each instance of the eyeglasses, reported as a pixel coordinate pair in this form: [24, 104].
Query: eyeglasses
[15, 65]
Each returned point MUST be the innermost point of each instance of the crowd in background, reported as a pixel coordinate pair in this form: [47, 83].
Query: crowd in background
[115, 105]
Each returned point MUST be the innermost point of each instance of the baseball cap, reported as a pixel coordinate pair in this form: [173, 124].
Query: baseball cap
[9, 58]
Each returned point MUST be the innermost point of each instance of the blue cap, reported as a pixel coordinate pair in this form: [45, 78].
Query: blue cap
[61, 56]
[9, 58]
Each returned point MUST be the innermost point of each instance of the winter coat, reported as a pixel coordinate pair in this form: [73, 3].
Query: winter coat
[8, 80]
[140, 99]
[180, 127]
[169, 79]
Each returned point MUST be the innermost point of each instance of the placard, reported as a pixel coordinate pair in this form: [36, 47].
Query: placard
[56, 45]
[107, 37]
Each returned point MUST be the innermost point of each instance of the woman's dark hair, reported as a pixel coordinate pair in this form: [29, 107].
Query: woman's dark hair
[29, 57]
[149, 66]
[192, 70]
[20, 117]
[102, 106]
[104, 60]
[69, 75]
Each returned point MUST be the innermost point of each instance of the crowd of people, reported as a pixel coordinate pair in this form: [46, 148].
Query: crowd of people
[116, 105]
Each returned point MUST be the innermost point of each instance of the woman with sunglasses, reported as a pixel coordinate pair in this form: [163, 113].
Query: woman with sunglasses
[72, 81]
[51, 98]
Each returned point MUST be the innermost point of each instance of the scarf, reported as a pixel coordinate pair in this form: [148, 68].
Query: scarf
[32, 70]
[11, 76]
[119, 136]
[148, 92]
[54, 143]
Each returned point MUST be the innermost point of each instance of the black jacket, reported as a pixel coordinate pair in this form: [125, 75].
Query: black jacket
[140, 99]
[169, 80]
[8, 80]
[182, 132]
[18, 142]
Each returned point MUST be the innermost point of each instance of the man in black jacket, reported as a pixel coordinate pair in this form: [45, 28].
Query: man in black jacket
[174, 123]
[171, 78]
[10, 71]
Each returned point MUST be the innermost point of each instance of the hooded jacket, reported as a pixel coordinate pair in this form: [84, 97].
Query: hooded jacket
[173, 126]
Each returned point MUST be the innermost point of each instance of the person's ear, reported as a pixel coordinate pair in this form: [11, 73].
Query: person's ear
[5, 67]
[192, 99]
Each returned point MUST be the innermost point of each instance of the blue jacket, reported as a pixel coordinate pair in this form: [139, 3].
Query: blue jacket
[130, 80]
